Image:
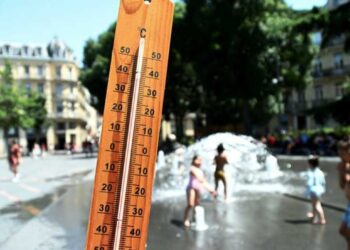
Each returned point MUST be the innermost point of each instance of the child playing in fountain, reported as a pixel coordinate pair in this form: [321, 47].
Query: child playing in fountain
[196, 186]
[344, 182]
[220, 161]
[315, 187]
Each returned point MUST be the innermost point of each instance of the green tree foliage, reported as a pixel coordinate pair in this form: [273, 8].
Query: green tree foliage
[35, 107]
[237, 49]
[12, 111]
[182, 92]
[229, 59]
[97, 59]
[338, 24]
[6, 74]
[19, 109]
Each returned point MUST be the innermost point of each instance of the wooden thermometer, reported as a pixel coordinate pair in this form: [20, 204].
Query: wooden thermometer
[121, 201]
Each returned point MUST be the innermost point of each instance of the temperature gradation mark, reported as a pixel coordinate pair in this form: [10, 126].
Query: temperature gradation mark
[121, 200]
[129, 140]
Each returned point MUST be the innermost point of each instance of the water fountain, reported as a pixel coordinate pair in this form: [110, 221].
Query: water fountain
[251, 167]
[199, 222]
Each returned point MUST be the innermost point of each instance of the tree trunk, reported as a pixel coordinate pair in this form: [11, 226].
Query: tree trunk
[6, 138]
[246, 117]
[179, 127]
[37, 135]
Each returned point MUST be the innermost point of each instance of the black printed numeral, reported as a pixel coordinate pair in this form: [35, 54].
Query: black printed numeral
[156, 55]
[123, 69]
[104, 208]
[154, 74]
[124, 50]
[149, 112]
[120, 87]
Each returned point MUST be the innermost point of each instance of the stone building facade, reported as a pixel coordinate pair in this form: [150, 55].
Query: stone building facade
[53, 72]
[331, 69]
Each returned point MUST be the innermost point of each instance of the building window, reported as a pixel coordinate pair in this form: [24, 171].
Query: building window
[60, 126]
[59, 89]
[339, 90]
[301, 122]
[59, 107]
[28, 87]
[71, 88]
[40, 70]
[25, 49]
[26, 70]
[338, 61]
[72, 125]
[316, 38]
[318, 92]
[58, 71]
[7, 48]
[41, 88]
[70, 70]
[72, 106]
[318, 65]
[301, 96]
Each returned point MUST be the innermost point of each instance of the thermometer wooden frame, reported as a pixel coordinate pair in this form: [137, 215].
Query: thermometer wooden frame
[120, 206]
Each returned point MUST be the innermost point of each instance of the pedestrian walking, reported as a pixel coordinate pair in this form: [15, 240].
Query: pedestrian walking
[36, 152]
[315, 187]
[220, 161]
[14, 159]
[43, 149]
[196, 186]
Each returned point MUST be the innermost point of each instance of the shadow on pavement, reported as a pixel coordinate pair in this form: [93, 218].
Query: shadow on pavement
[324, 204]
[300, 221]
[177, 223]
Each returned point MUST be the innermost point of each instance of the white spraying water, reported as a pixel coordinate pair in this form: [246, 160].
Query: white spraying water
[251, 167]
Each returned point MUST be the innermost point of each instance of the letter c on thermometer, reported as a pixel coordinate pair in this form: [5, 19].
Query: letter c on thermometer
[143, 33]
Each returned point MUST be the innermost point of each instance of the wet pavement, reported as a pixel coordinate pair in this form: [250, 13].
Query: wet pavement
[61, 226]
[250, 221]
[297, 165]
[41, 176]
[42, 182]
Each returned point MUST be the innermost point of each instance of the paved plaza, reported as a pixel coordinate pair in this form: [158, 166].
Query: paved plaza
[49, 208]
[42, 182]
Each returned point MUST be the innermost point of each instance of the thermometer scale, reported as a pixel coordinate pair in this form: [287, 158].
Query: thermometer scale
[121, 201]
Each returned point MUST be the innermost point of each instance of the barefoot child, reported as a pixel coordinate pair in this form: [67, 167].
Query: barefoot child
[220, 161]
[315, 187]
[197, 184]
[344, 183]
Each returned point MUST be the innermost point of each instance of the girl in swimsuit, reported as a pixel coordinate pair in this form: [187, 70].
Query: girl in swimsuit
[196, 186]
[315, 187]
[220, 161]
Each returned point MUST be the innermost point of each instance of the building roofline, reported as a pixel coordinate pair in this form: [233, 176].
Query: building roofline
[45, 59]
[55, 50]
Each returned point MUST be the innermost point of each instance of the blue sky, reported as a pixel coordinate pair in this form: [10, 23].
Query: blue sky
[73, 21]
[305, 4]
